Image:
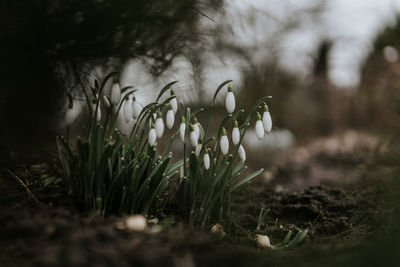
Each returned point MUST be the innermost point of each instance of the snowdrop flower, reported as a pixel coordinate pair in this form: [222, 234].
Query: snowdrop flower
[159, 125]
[242, 153]
[173, 102]
[152, 136]
[198, 148]
[259, 127]
[263, 241]
[115, 94]
[266, 119]
[224, 142]
[196, 126]
[194, 138]
[235, 133]
[98, 114]
[170, 118]
[206, 159]
[230, 101]
[72, 113]
[182, 129]
[136, 108]
[128, 109]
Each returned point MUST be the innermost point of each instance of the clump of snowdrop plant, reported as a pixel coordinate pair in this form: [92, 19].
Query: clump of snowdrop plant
[123, 173]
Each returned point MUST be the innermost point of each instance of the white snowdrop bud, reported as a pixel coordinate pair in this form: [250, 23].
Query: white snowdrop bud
[263, 241]
[266, 119]
[206, 159]
[198, 148]
[182, 129]
[72, 113]
[235, 133]
[224, 142]
[136, 222]
[136, 108]
[173, 102]
[115, 94]
[98, 114]
[159, 125]
[196, 126]
[259, 127]
[242, 153]
[170, 118]
[128, 109]
[230, 101]
[152, 136]
[194, 138]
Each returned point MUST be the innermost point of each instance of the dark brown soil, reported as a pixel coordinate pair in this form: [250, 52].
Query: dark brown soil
[347, 227]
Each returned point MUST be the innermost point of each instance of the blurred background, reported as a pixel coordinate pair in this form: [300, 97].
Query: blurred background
[332, 68]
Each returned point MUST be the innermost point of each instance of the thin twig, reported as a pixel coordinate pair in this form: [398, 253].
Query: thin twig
[201, 13]
[24, 185]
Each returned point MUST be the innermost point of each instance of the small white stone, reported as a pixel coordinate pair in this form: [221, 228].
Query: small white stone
[136, 222]
[263, 241]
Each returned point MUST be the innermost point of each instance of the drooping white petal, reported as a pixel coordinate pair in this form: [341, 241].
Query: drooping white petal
[98, 114]
[206, 160]
[194, 138]
[159, 127]
[170, 118]
[230, 102]
[267, 121]
[115, 94]
[224, 144]
[259, 130]
[235, 135]
[174, 104]
[196, 128]
[128, 110]
[152, 136]
[242, 153]
[182, 129]
[137, 108]
[197, 150]
[72, 113]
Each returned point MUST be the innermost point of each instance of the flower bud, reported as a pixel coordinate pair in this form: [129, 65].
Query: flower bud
[266, 119]
[196, 126]
[194, 138]
[170, 118]
[72, 113]
[182, 129]
[173, 102]
[128, 109]
[206, 159]
[259, 127]
[98, 114]
[159, 125]
[224, 142]
[242, 153]
[230, 101]
[136, 107]
[115, 94]
[235, 133]
[152, 136]
[198, 148]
